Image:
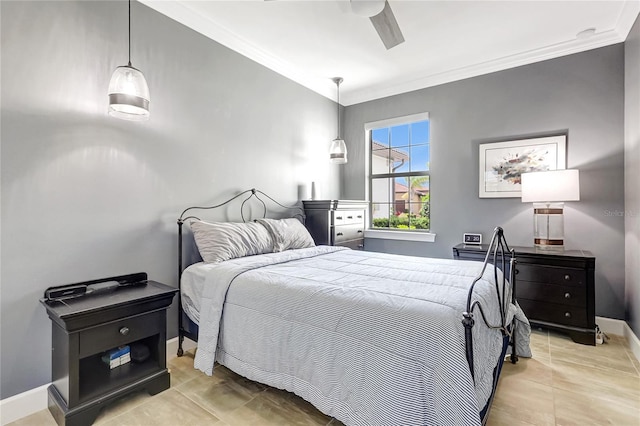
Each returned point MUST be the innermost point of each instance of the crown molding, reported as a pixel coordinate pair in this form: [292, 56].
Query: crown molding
[182, 13]
[499, 64]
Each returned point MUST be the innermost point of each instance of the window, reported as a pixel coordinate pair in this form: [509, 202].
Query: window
[399, 173]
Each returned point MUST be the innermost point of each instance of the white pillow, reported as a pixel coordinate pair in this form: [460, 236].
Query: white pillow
[222, 241]
[287, 234]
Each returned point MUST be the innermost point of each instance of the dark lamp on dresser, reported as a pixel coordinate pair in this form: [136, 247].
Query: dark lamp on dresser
[548, 191]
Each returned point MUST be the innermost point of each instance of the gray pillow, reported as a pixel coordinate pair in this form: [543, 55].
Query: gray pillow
[220, 241]
[287, 234]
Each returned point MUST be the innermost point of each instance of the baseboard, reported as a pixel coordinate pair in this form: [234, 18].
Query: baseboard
[633, 340]
[34, 400]
[23, 404]
[172, 347]
[620, 328]
[611, 326]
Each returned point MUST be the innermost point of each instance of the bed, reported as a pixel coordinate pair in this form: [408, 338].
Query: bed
[368, 338]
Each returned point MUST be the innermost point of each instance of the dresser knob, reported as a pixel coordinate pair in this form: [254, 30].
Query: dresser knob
[517, 272]
[567, 314]
[567, 277]
[567, 295]
[124, 331]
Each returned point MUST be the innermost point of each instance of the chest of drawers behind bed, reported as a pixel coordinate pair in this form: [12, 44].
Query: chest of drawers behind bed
[336, 222]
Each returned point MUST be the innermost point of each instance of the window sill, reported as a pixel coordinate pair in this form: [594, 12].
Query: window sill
[426, 237]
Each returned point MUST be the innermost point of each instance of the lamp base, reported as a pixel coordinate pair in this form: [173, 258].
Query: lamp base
[548, 226]
[549, 245]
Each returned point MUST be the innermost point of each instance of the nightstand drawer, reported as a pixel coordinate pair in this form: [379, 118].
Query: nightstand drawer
[563, 295]
[348, 232]
[121, 332]
[551, 274]
[348, 217]
[554, 313]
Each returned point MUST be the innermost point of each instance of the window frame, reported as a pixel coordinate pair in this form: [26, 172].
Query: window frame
[393, 233]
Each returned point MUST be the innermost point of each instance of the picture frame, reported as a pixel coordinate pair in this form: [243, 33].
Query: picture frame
[502, 163]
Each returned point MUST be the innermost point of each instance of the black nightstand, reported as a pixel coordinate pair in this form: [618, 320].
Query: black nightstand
[555, 289]
[336, 222]
[83, 328]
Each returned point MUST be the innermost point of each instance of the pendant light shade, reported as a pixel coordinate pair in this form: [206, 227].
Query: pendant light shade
[128, 90]
[338, 150]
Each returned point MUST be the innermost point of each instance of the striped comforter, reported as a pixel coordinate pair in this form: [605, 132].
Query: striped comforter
[368, 338]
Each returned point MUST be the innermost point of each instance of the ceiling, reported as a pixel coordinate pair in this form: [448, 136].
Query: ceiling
[311, 41]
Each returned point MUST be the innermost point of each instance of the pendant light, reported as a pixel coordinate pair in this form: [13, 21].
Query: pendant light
[128, 90]
[338, 150]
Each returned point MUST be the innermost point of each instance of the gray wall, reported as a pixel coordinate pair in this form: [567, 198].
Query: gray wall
[632, 176]
[87, 196]
[582, 94]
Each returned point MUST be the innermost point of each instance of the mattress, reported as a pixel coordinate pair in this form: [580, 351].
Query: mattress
[368, 338]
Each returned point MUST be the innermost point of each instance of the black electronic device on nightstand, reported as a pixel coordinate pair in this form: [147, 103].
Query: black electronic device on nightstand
[92, 319]
[555, 289]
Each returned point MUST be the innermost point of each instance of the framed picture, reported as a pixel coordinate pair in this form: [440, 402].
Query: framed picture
[502, 163]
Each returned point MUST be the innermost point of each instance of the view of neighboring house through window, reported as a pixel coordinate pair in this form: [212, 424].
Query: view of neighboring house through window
[399, 178]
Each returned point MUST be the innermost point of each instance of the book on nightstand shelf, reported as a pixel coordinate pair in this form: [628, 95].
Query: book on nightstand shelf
[117, 357]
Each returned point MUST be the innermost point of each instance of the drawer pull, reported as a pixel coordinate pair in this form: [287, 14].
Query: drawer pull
[567, 295]
[359, 231]
[517, 271]
[567, 314]
[567, 277]
[359, 216]
[124, 331]
[360, 245]
[349, 217]
[339, 234]
[338, 217]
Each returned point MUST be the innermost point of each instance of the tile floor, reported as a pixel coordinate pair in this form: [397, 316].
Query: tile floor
[563, 384]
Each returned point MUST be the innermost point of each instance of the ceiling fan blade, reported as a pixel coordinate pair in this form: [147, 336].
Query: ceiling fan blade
[387, 27]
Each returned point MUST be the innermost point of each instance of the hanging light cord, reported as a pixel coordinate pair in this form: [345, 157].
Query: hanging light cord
[129, 32]
[338, 103]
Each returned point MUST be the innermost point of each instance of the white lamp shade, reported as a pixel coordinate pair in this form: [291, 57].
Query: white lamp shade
[128, 94]
[550, 186]
[338, 152]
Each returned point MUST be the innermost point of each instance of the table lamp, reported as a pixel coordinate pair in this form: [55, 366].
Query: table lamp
[548, 191]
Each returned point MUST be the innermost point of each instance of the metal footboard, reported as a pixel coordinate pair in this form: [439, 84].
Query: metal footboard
[497, 255]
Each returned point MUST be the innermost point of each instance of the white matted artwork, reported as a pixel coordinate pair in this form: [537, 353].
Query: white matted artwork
[502, 163]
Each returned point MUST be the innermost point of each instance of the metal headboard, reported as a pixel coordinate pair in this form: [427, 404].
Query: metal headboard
[248, 194]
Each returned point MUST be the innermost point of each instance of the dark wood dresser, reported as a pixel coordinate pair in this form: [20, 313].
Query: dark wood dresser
[336, 222]
[84, 328]
[555, 289]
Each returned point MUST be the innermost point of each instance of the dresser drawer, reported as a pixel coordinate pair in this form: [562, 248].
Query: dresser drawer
[554, 313]
[562, 295]
[550, 274]
[347, 232]
[348, 217]
[121, 332]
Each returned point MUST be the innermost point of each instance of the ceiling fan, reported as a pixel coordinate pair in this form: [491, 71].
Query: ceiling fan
[382, 18]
